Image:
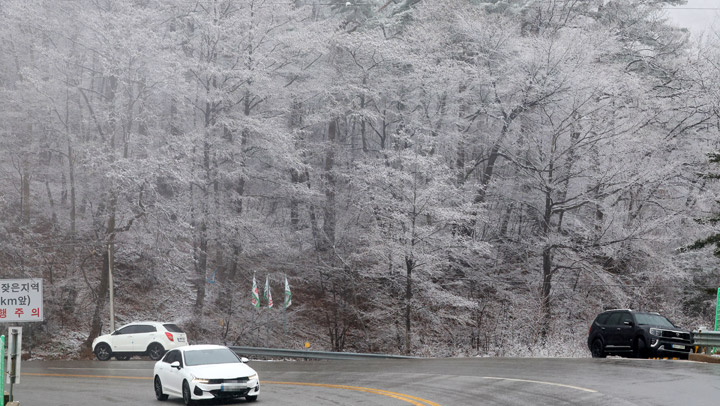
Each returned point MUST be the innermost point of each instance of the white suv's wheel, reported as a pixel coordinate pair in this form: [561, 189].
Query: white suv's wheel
[103, 352]
[155, 351]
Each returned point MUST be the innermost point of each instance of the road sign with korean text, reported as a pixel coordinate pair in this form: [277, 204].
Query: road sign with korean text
[21, 300]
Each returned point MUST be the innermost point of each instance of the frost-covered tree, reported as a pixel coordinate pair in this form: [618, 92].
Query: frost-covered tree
[426, 173]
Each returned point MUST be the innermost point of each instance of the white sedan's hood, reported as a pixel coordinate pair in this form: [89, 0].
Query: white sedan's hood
[220, 371]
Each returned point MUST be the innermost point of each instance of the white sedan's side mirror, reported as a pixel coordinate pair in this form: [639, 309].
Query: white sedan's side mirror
[175, 364]
[244, 360]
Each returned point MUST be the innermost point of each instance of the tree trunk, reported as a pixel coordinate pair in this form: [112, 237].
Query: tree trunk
[25, 190]
[547, 259]
[329, 209]
[201, 268]
[495, 153]
[547, 265]
[363, 123]
[102, 292]
[294, 203]
[201, 241]
[51, 201]
[409, 264]
[71, 165]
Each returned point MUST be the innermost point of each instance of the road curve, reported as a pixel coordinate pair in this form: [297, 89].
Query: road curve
[422, 382]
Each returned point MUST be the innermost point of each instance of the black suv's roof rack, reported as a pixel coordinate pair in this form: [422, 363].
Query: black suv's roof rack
[630, 310]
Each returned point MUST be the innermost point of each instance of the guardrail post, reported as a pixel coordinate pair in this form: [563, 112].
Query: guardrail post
[717, 311]
[706, 341]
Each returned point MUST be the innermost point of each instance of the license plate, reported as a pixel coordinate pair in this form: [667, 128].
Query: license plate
[232, 387]
[181, 340]
[678, 347]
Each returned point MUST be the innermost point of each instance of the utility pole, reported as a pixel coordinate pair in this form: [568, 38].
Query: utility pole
[111, 286]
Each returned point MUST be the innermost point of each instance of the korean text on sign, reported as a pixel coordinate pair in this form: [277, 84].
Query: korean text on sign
[21, 300]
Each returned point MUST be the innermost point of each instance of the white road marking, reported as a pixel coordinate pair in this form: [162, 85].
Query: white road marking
[541, 383]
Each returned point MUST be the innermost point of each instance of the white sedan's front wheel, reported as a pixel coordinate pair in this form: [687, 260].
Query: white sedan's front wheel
[158, 389]
[187, 395]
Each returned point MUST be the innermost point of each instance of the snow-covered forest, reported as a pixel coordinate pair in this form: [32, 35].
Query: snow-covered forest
[446, 177]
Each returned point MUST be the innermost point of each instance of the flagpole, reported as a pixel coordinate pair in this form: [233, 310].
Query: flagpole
[284, 322]
[256, 303]
[285, 305]
[270, 304]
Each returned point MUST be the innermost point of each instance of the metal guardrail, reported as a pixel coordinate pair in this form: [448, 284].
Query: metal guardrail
[706, 339]
[284, 353]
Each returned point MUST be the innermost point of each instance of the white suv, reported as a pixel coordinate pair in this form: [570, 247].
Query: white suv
[139, 338]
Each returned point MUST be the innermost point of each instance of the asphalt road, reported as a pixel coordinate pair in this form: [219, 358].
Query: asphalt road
[427, 382]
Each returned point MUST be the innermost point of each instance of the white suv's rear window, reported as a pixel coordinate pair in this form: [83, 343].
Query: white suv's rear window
[172, 328]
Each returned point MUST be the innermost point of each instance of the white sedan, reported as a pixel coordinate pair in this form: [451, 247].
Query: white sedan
[205, 372]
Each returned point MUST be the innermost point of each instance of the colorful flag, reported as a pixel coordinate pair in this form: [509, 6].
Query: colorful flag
[288, 294]
[267, 293]
[255, 294]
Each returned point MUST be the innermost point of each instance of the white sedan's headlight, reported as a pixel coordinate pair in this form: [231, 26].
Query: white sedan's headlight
[253, 376]
[656, 332]
[201, 380]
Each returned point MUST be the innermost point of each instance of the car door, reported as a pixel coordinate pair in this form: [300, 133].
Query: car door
[173, 377]
[163, 372]
[142, 337]
[610, 333]
[122, 339]
[624, 331]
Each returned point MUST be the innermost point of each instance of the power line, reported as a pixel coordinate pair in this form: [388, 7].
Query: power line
[87, 243]
[647, 285]
[276, 3]
[690, 8]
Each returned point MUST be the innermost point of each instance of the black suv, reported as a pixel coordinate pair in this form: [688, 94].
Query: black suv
[637, 334]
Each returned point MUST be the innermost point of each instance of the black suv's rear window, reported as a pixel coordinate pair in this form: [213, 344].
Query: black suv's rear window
[172, 328]
[602, 318]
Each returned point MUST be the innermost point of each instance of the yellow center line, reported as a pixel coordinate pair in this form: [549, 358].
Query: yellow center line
[86, 376]
[414, 400]
[542, 383]
[401, 396]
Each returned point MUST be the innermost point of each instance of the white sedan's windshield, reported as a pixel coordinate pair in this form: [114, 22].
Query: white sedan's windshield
[212, 356]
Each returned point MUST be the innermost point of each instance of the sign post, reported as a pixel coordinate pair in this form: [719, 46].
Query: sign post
[2, 370]
[21, 300]
[717, 311]
[14, 358]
